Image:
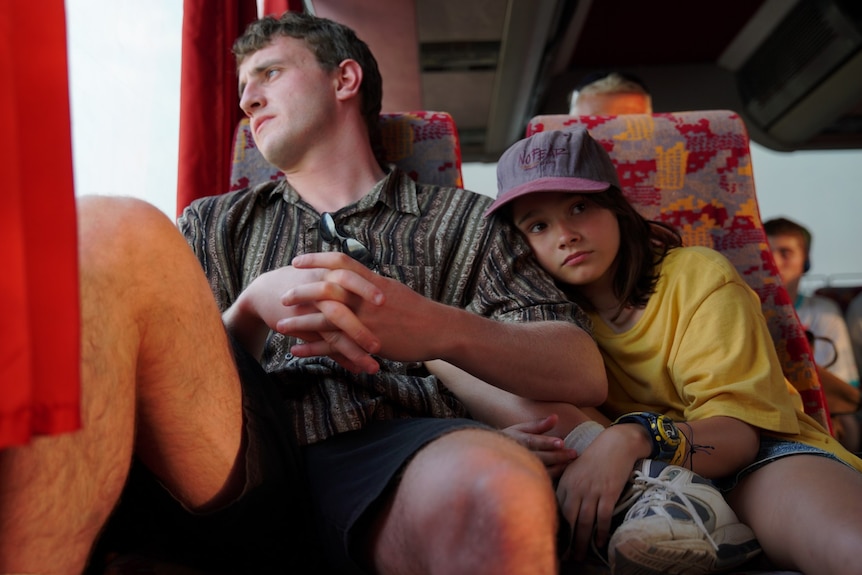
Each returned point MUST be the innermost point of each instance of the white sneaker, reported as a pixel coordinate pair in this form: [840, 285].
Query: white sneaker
[678, 523]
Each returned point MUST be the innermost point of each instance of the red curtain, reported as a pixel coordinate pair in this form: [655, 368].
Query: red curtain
[209, 107]
[39, 338]
[209, 104]
[277, 7]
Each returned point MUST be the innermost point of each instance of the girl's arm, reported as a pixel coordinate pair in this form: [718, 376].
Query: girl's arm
[590, 487]
[719, 446]
[500, 408]
[539, 426]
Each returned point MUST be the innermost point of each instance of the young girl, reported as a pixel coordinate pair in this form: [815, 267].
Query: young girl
[694, 378]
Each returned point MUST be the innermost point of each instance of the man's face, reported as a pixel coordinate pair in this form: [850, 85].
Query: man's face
[789, 254]
[288, 98]
[603, 104]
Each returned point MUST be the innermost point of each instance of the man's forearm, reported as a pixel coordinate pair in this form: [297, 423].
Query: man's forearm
[547, 361]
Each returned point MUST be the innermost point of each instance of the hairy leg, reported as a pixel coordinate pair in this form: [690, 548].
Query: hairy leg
[806, 512]
[157, 376]
[472, 501]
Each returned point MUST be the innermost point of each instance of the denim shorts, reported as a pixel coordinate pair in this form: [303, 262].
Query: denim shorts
[772, 448]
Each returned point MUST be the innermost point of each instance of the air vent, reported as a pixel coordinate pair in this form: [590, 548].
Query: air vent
[459, 56]
[814, 40]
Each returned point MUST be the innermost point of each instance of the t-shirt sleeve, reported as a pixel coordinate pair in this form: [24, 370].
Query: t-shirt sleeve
[725, 363]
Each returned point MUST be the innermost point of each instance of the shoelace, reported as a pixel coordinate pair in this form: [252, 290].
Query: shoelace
[635, 490]
[654, 490]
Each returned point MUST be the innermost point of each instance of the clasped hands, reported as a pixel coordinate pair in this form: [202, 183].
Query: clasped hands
[341, 309]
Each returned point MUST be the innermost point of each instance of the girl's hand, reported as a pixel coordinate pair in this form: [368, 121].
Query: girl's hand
[590, 487]
[549, 449]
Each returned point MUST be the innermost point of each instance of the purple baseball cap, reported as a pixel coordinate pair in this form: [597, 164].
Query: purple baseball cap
[555, 161]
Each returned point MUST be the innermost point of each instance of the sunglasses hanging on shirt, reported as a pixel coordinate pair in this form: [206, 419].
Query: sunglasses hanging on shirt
[350, 246]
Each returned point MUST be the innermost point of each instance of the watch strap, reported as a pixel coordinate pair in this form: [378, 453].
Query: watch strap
[668, 443]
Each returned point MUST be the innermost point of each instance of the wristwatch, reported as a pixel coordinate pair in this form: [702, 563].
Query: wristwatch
[668, 444]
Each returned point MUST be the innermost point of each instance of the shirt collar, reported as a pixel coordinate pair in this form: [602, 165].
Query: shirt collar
[396, 189]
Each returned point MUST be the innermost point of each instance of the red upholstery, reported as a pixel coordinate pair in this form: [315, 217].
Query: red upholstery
[423, 144]
[693, 170]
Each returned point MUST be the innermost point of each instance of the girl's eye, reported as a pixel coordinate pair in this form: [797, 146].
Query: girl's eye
[535, 228]
[579, 207]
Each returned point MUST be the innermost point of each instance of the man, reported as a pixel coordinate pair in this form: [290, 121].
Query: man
[610, 94]
[387, 477]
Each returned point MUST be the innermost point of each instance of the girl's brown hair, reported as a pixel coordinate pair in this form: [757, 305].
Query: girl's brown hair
[643, 245]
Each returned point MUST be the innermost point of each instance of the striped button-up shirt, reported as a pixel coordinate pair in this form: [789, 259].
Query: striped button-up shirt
[433, 239]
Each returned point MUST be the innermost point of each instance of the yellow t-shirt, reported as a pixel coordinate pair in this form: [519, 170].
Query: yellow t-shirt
[702, 349]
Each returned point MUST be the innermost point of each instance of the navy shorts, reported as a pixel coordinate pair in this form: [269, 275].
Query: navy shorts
[264, 530]
[352, 472]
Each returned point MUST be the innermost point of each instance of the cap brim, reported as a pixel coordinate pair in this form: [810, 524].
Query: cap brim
[548, 185]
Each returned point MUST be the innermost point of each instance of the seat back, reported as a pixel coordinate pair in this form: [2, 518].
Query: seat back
[842, 295]
[693, 170]
[423, 144]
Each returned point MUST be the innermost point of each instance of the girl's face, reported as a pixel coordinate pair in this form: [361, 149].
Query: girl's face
[574, 239]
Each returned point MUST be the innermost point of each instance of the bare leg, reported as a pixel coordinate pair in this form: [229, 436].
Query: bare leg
[155, 360]
[850, 434]
[806, 512]
[470, 502]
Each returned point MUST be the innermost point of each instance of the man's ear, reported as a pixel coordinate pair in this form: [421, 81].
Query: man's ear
[349, 79]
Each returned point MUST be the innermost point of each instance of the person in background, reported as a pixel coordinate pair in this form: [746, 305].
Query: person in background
[853, 318]
[269, 381]
[790, 243]
[610, 94]
[822, 318]
[852, 408]
[696, 388]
